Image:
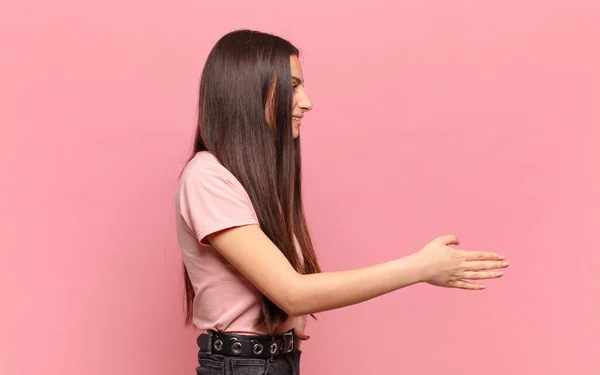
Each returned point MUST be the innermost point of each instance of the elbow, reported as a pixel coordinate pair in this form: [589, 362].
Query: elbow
[294, 301]
[294, 309]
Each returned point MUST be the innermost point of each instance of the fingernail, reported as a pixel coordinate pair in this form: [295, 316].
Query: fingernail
[505, 264]
[501, 257]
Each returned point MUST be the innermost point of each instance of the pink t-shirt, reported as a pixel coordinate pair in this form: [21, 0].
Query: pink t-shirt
[210, 199]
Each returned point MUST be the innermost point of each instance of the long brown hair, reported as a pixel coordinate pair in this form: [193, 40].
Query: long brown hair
[246, 72]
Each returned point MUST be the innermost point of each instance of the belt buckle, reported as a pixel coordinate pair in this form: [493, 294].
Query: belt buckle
[288, 342]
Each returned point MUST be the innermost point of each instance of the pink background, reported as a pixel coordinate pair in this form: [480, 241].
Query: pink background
[431, 117]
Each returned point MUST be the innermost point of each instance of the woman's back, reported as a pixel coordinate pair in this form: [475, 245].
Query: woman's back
[210, 199]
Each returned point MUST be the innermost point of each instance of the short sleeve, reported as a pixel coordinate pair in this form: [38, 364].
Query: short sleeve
[211, 200]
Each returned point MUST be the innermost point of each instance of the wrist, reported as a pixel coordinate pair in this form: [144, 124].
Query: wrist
[420, 267]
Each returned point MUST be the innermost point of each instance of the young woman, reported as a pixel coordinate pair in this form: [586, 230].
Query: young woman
[251, 274]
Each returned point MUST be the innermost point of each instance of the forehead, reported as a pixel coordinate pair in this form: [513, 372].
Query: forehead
[296, 67]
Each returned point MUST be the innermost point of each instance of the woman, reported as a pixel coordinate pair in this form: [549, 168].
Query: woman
[251, 274]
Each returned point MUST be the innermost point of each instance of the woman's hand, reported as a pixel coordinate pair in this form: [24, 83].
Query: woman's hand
[299, 331]
[448, 267]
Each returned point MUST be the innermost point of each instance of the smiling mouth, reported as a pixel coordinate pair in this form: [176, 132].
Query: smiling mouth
[297, 119]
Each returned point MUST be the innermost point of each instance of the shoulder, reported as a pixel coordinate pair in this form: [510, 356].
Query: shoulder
[205, 165]
[210, 198]
[205, 171]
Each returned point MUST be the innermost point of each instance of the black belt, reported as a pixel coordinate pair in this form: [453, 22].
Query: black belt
[264, 346]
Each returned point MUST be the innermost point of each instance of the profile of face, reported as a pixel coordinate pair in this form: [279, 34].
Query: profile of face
[301, 101]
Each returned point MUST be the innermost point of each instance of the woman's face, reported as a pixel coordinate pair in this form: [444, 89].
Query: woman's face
[301, 101]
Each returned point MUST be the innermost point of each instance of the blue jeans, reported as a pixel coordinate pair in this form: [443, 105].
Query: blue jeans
[216, 364]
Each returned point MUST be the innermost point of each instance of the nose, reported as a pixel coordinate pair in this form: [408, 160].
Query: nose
[305, 103]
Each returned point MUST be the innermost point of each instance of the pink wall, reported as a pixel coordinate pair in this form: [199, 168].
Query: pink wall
[479, 118]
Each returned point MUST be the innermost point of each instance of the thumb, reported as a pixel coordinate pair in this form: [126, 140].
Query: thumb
[450, 239]
[301, 335]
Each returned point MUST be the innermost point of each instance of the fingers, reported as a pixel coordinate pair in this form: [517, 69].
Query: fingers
[480, 255]
[466, 285]
[485, 265]
[449, 239]
[301, 336]
[470, 275]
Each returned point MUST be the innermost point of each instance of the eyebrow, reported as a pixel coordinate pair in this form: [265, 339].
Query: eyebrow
[297, 79]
